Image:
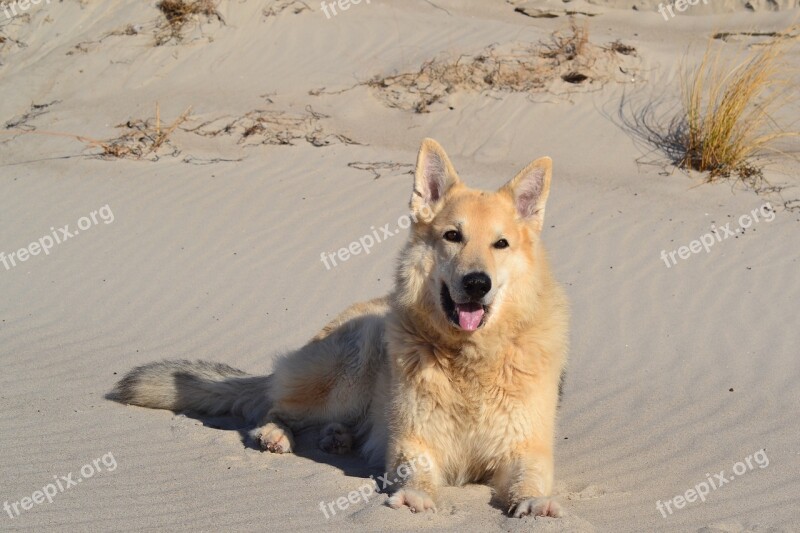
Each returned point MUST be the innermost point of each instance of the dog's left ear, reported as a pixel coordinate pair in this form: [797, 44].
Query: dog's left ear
[530, 189]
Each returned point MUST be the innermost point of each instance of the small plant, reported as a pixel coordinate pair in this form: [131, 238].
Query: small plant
[567, 46]
[142, 139]
[728, 111]
[180, 13]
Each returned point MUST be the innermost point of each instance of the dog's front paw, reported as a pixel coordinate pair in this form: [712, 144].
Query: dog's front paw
[416, 500]
[537, 507]
[273, 438]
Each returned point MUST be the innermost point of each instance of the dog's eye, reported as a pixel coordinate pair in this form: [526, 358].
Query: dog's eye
[452, 236]
[502, 243]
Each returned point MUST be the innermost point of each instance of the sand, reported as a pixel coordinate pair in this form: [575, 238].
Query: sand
[210, 248]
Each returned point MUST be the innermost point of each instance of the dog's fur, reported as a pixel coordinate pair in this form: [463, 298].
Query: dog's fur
[460, 364]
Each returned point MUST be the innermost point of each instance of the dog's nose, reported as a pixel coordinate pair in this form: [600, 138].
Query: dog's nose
[476, 285]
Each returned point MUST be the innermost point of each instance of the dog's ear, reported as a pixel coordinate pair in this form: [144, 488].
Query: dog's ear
[530, 188]
[433, 177]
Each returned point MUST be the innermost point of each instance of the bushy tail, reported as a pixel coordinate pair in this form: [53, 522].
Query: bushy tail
[198, 386]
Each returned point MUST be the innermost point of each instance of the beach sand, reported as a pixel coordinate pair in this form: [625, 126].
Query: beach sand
[210, 248]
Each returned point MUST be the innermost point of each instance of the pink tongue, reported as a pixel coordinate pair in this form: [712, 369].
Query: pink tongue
[469, 315]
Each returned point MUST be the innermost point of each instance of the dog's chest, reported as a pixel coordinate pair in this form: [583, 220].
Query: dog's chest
[466, 403]
[487, 407]
[478, 425]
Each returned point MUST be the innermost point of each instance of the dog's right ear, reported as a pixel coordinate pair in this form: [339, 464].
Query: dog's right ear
[433, 177]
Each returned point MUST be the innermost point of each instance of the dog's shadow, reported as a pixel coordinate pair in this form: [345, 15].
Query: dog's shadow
[306, 445]
[306, 442]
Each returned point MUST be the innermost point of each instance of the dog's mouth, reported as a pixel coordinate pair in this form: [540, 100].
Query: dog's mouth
[468, 316]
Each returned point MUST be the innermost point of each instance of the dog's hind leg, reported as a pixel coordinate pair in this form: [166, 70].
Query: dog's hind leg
[330, 379]
[306, 392]
[336, 438]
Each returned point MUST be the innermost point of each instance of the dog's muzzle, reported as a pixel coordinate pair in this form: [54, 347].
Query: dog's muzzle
[471, 314]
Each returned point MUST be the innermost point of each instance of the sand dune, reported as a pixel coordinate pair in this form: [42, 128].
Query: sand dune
[289, 141]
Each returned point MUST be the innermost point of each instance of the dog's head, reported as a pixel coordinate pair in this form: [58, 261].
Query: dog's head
[471, 253]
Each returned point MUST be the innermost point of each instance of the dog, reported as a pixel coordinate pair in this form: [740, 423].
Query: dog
[461, 364]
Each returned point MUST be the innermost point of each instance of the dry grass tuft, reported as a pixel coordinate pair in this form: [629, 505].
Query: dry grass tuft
[277, 7]
[11, 28]
[568, 58]
[22, 122]
[273, 127]
[151, 139]
[179, 14]
[622, 48]
[762, 37]
[569, 45]
[380, 168]
[143, 139]
[728, 111]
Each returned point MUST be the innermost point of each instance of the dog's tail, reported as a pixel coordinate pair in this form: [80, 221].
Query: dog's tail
[197, 386]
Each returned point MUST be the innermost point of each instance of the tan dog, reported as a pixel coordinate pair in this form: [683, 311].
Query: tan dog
[461, 364]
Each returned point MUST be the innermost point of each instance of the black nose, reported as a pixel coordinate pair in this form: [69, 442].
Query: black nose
[476, 285]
